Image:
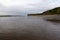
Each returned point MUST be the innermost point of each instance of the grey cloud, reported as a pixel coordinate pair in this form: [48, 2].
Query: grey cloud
[30, 8]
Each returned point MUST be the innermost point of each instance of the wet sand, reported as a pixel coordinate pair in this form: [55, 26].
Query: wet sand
[28, 28]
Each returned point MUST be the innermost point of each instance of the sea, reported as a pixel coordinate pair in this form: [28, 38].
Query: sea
[28, 28]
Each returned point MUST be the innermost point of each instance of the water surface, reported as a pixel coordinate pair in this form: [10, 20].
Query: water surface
[28, 28]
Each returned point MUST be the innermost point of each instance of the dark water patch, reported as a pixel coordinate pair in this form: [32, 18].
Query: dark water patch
[53, 20]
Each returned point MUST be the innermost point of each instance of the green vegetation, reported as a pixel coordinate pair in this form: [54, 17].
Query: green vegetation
[33, 14]
[54, 11]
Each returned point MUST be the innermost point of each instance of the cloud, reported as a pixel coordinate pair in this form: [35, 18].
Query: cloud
[27, 6]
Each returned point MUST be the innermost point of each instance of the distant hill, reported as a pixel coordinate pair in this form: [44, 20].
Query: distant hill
[10, 15]
[52, 11]
[48, 12]
[34, 14]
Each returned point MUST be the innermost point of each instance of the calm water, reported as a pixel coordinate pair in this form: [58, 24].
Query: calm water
[28, 28]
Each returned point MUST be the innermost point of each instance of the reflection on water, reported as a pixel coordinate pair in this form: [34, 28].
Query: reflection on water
[28, 28]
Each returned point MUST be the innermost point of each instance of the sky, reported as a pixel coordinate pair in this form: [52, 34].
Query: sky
[23, 7]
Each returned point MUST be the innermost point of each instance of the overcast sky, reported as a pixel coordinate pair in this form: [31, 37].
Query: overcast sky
[23, 7]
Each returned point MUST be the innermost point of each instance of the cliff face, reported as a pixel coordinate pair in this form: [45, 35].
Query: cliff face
[52, 11]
